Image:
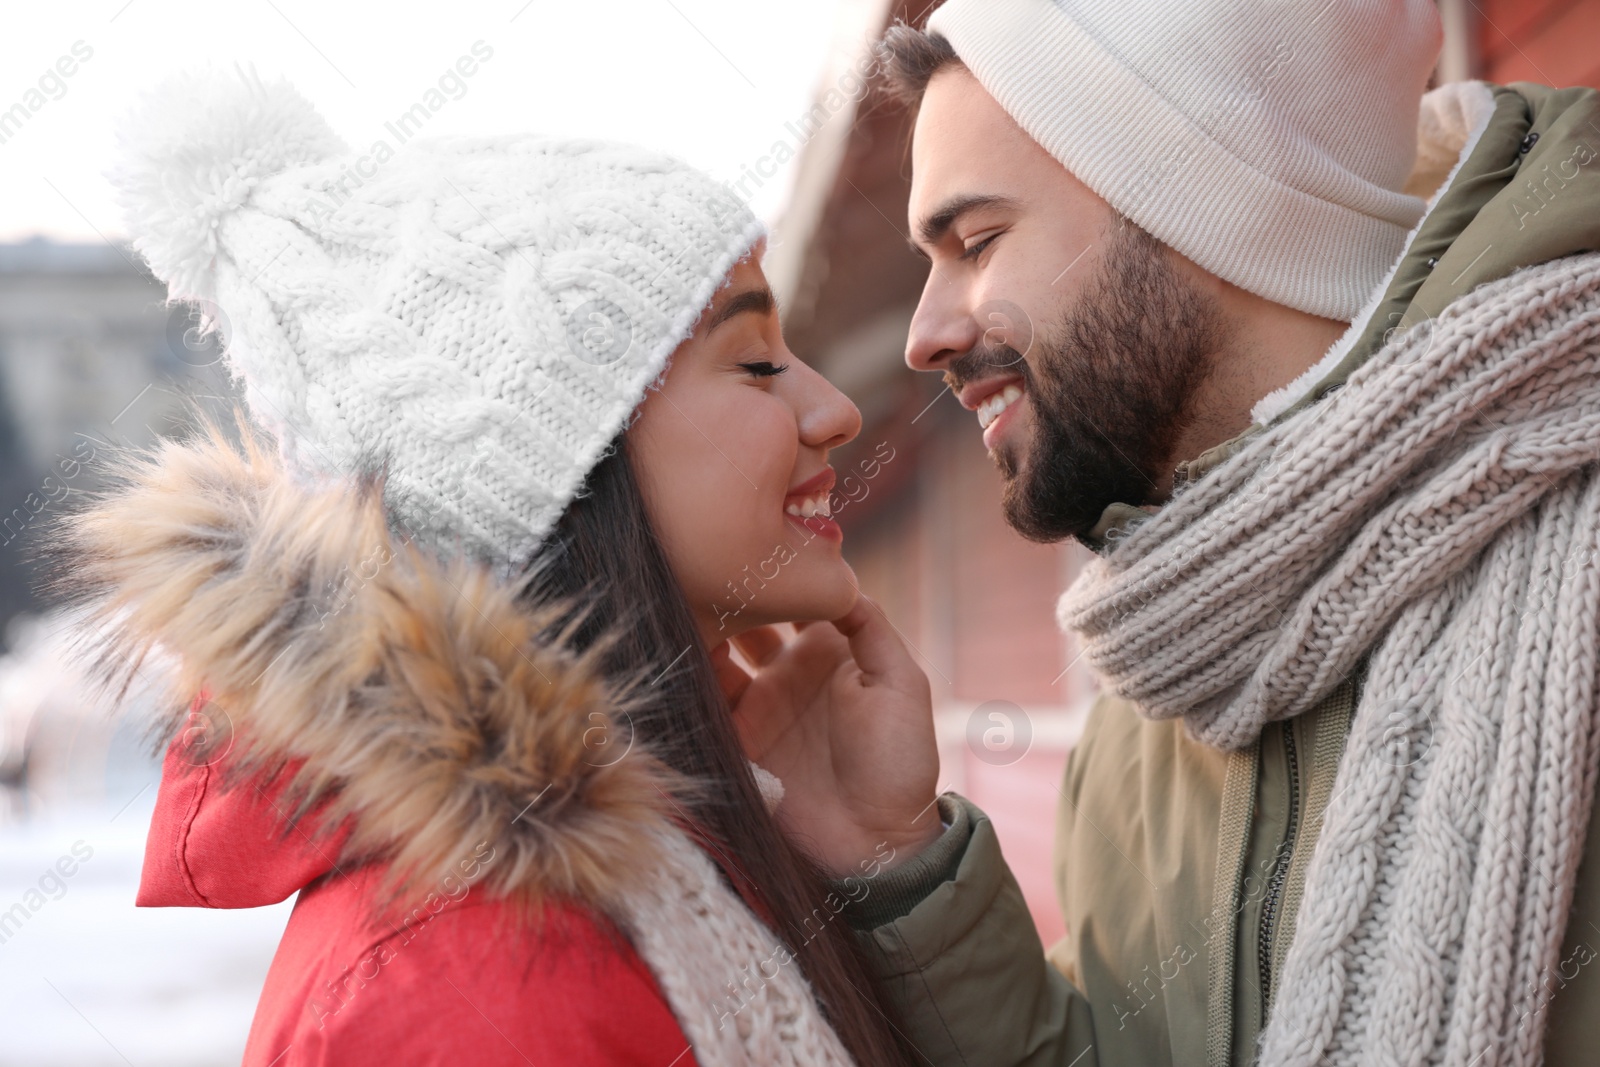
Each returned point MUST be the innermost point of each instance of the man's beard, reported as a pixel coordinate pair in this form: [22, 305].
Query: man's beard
[1111, 389]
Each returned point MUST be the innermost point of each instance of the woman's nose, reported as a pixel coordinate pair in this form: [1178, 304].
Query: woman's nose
[826, 416]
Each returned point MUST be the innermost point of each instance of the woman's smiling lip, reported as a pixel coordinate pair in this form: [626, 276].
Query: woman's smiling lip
[819, 483]
[813, 495]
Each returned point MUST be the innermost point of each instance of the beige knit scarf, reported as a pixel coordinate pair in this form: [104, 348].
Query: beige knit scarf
[1440, 512]
[735, 989]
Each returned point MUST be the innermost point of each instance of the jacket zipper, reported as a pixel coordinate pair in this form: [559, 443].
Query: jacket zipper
[1280, 872]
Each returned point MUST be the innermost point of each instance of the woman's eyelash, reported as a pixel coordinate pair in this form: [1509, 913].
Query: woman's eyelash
[764, 369]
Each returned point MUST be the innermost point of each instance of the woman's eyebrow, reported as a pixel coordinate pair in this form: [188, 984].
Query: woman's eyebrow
[761, 301]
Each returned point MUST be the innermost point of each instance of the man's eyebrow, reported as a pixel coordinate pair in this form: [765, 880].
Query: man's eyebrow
[761, 301]
[933, 228]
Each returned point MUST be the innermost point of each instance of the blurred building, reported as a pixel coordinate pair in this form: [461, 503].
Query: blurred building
[91, 360]
[1553, 42]
[927, 539]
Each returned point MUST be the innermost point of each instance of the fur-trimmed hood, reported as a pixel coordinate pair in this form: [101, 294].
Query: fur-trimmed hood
[412, 703]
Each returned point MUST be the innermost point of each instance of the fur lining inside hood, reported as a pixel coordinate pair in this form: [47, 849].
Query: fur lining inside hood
[411, 700]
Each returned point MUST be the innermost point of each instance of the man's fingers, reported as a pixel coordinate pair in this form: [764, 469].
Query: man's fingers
[877, 649]
[761, 645]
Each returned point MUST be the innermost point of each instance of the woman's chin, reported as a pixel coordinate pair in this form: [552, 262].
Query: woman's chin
[829, 593]
[824, 609]
[817, 594]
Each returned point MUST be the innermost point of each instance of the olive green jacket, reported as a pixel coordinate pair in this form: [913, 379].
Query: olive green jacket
[1180, 867]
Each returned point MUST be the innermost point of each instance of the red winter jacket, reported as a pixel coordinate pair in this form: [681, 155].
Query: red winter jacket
[374, 711]
[463, 982]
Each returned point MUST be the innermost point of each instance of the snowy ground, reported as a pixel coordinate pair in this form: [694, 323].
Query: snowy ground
[88, 979]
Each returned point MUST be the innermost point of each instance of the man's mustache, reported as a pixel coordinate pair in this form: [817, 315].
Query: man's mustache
[983, 362]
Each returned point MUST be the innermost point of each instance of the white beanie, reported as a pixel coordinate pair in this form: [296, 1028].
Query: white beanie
[480, 315]
[1266, 140]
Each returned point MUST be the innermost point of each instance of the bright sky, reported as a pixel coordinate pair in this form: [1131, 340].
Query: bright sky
[717, 82]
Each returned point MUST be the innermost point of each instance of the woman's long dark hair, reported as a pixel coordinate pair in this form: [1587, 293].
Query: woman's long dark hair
[604, 555]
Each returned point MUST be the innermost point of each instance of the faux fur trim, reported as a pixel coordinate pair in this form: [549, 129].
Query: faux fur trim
[1452, 119]
[415, 697]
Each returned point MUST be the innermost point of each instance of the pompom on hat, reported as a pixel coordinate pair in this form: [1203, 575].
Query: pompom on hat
[478, 316]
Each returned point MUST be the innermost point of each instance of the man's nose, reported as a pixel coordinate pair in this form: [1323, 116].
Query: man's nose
[942, 328]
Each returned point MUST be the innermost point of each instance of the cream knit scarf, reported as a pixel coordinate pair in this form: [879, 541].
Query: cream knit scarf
[735, 989]
[1441, 512]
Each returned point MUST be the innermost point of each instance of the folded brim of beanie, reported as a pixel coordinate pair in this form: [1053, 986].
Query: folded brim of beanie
[1157, 165]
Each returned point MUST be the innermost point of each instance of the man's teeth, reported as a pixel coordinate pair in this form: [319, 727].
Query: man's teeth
[991, 408]
[811, 505]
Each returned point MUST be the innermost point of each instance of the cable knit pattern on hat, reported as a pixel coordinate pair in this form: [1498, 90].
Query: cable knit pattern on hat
[479, 314]
[1268, 142]
[1442, 513]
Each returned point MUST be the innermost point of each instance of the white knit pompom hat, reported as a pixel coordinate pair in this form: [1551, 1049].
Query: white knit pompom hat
[1266, 140]
[479, 315]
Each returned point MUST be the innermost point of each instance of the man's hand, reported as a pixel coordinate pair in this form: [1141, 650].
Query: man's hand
[843, 716]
